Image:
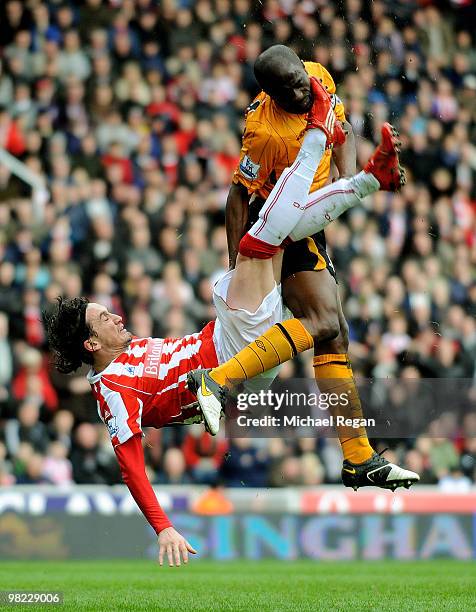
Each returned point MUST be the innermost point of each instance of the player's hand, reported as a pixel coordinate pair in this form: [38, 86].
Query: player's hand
[175, 546]
[321, 115]
[339, 135]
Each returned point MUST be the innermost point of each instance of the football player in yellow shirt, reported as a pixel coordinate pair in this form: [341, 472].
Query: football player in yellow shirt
[247, 298]
[275, 128]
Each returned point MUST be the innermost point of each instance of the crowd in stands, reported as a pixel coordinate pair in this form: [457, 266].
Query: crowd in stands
[132, 112]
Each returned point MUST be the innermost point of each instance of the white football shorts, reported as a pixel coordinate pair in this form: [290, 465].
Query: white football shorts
[236, 327]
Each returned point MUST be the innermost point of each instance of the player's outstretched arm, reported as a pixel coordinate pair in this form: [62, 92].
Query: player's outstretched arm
[236, 212]
[175, 546]
[130, 455]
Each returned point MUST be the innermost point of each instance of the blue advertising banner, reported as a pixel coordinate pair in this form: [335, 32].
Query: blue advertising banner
[243, 536]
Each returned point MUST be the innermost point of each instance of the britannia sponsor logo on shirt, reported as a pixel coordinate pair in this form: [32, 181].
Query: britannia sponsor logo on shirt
[248, 168]
[152, 357]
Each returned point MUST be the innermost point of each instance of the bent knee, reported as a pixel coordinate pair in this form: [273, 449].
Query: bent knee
[323, 326]
[327, 330]
[338, 344]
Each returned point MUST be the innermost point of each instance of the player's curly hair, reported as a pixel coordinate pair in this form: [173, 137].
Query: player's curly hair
[66, 330]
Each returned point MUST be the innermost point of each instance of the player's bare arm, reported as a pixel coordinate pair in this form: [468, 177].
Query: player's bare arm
[237, 205]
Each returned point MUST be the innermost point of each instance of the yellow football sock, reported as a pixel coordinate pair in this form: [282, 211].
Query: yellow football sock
[334, 375]
[278, 344]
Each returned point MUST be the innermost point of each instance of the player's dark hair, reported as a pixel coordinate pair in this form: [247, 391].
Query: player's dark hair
[270, 63]
[66, 330]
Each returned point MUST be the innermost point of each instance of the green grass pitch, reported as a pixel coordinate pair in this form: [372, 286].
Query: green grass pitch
[248, 586]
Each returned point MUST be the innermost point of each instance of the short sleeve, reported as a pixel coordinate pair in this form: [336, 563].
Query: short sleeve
[258, 157]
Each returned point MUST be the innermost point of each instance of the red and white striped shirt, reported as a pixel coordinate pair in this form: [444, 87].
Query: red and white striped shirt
[145, 385]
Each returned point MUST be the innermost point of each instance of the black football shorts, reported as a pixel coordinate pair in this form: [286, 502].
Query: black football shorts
[302, 256]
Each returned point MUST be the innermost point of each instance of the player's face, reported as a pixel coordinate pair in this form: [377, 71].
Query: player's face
[292, 90]
[108, 329]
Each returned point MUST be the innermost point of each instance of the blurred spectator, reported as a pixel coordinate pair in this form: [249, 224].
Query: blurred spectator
[74, 393]
[90, 465]
[34, 471]
[443, 457]
[203, 454]
[32, 380]
[61, 427]
[6, 357]
[6, 476]
[11, 137]
[26, 428]
[455, 482]
[173, 470]
[414, 460]
[56, 467]
[246, 464]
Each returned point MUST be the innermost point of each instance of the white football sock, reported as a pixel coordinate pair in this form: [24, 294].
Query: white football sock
[328, 203]
[285, 204]
[364, 184]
